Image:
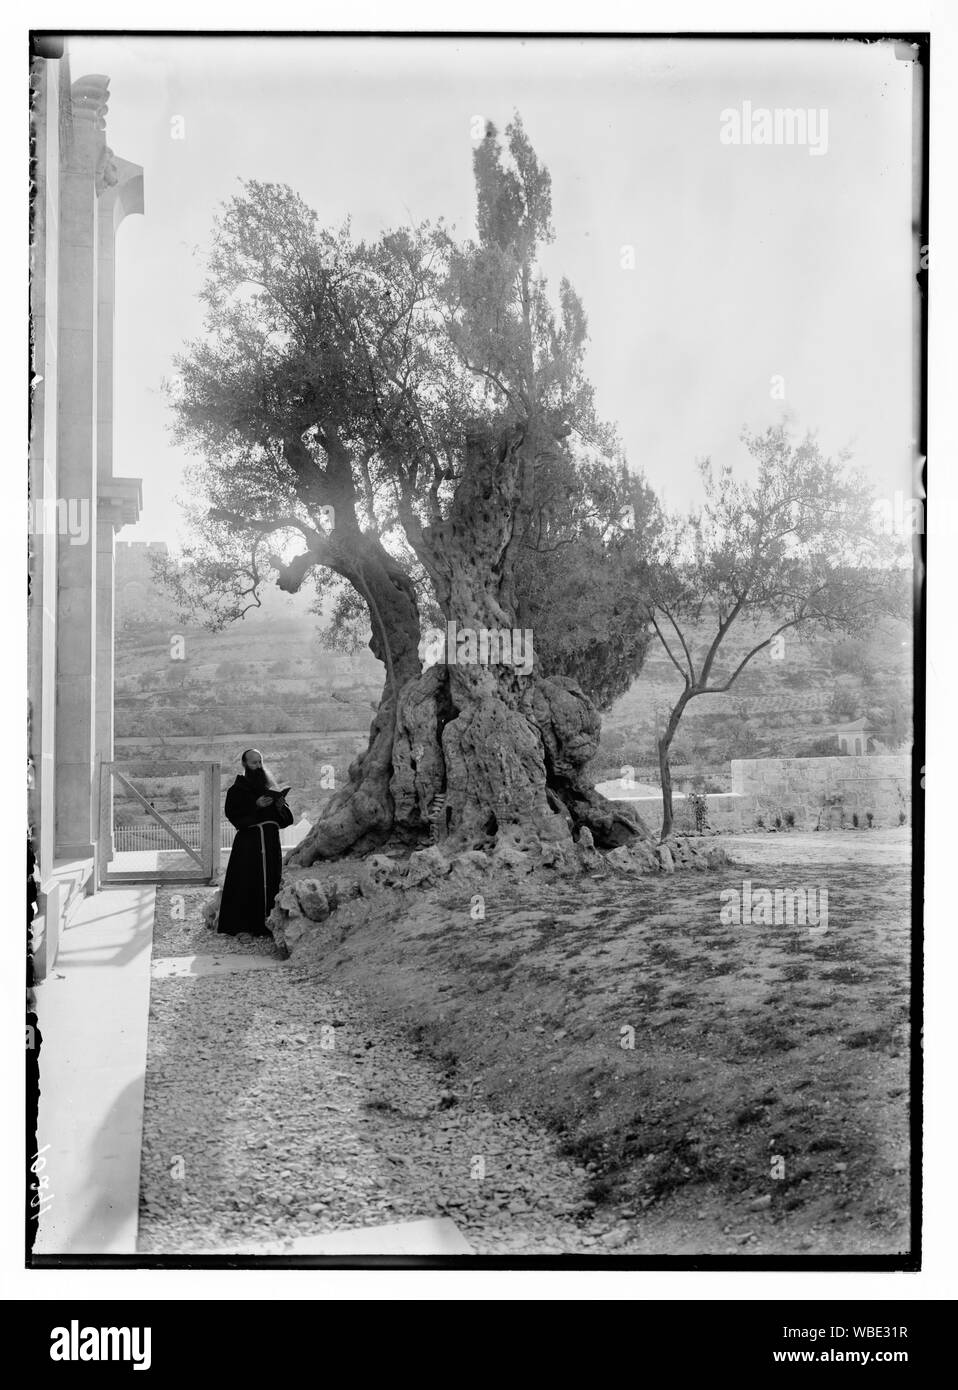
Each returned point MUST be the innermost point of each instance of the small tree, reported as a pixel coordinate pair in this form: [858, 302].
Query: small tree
[821, 748]
[743, 742]
[796, 551]
[852, 658]
[843, 704]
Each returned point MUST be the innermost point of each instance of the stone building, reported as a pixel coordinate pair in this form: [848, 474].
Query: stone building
[855, 736]
[81, 193]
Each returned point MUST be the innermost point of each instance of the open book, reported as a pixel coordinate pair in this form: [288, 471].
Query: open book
[276, 792]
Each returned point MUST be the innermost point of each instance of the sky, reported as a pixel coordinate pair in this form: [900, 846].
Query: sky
[762, 278]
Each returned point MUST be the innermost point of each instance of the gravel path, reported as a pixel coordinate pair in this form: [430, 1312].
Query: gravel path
[276, 1109]
[838, 847]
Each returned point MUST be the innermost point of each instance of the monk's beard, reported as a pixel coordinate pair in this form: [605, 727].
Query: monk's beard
[259, 778]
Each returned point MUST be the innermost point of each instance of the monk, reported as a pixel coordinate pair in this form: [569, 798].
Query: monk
[256, 806]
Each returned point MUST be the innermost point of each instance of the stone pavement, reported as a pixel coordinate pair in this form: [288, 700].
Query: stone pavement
[93, 1022]
[93, 1011]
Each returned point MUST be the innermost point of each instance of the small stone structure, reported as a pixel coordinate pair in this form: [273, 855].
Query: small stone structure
[855, 736]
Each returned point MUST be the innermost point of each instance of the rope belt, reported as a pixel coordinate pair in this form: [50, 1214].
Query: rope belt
[262, 847]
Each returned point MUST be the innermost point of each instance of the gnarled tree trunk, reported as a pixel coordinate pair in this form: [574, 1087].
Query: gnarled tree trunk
[468, 750]
[361, 815]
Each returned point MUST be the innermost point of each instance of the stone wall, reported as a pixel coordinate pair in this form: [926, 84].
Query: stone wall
[729, 812]
[827, 793]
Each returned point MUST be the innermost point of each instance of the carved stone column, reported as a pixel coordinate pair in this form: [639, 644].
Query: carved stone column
[96, 192]
[118, 499]
[76, 440]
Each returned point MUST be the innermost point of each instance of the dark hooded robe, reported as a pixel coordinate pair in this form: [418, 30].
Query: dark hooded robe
[256, 859]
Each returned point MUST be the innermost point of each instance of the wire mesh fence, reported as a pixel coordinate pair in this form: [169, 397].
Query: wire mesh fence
[153, 836]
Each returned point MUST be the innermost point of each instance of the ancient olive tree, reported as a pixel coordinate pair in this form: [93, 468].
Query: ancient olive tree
[795, 552]
[396, 416]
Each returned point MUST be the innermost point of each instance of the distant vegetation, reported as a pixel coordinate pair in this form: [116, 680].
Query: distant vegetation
[776, 709]
[268, 676]
[260, 680]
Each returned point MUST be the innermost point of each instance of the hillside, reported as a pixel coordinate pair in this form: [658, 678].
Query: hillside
[776, 708]
[184, 692]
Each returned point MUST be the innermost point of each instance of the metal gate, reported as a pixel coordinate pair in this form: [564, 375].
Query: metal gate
[205, 858]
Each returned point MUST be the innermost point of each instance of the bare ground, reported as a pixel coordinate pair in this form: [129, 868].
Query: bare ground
[277, 1108]
[635, 1075]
